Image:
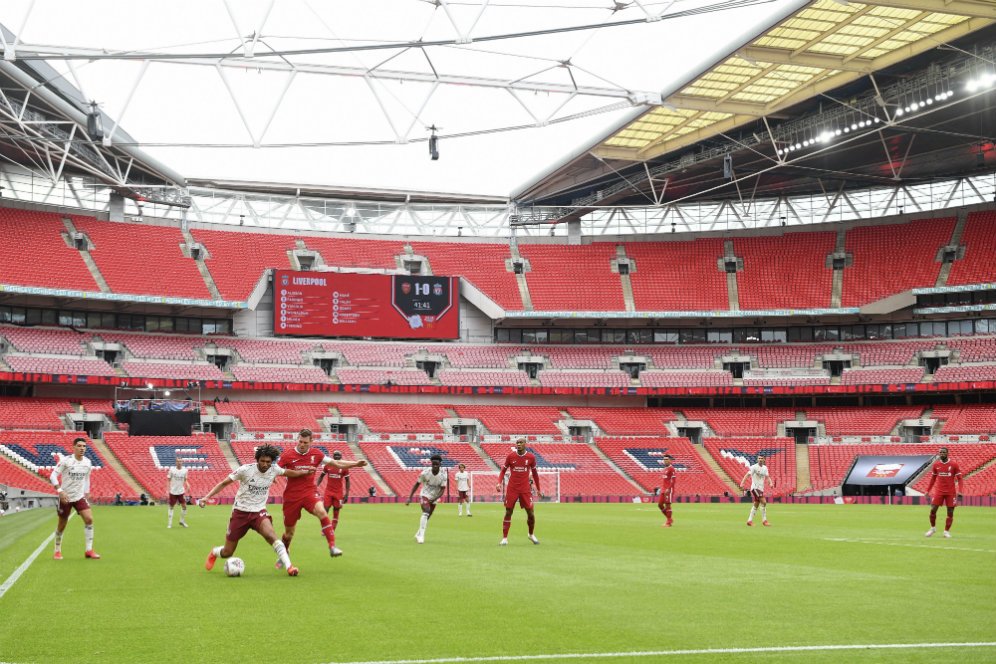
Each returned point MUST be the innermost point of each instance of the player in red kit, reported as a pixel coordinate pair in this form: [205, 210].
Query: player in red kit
[519, 464]
[335, 495]
[301, 494]
[667, 492]
[944, 473]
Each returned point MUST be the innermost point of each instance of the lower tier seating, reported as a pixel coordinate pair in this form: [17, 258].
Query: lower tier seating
[736, 455]
[643, 459]
[148, 458]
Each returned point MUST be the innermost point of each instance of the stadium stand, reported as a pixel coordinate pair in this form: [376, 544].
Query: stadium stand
[28, 413]
[123, 253]
[967, 419]
[787, 272]
[471, 378]
[278, 374]
[965, 372]
[78, 366]
[554, 284]
[828, 464]
[397, 417]
[383, 376]
[854, 421]
[737, 454]
[978, 349]
[684, 357]
[582, 471]
[979, 240]
[513, 419]
[35, 253]
[288, 416]
[583, 378]
[49, 341]
[642, 459]
[39, 451]
[267, 351]
[354, 253]
[482, 264]
[237, 259]
[399, 463]
[884, 266]
[148, 458]
[626, 421]
[664, 270]
[741, 421]
[156, 346]
[872, 376]
[779, 379]
[981, 483]
[104, 406]
[652, 378]
[189, 370]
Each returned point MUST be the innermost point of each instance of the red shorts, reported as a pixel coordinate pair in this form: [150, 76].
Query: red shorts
[175, 498]
[463, 495]
[946, 499]
[428, 506]
[524, 498]
[65, 509]
[242, 522]
[292, 510]
[665, 497]
[333, 502]
[757, 494]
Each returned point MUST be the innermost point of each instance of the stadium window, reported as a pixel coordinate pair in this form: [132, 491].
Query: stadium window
[851, 332]
[581, 337]
[981, 325]
[65, 318]
[692, 336]
[561, 336]
[639, 336]
[746, 335]
[534, 336]
[964, 328]
[774, 335]
[5, 315]
[165, 324]
[826, 334]
[32, 316]
[152, 324]
[614, 336]
[665, 336]
[933, 329]
[800, 334]
[719, 336]
[94, 319]
[183, 325]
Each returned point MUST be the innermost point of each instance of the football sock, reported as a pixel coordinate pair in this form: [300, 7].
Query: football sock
[947, 522]
[183, 514]
[286, 540]
[459, 509]
[764, 513]
[335, 519]
[328, 529]
[216, 551]
[504, 527]
[753, 511]
[281, 551]
[667, 513]
[58, 541]
[423, 522]
[531, 523]
[169, 521]
[933, 519]
[660, 506]
[468, 507]
[88, 533]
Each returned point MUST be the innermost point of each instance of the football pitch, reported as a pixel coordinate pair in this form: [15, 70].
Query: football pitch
[606, 584]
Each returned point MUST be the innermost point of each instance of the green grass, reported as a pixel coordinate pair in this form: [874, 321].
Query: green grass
[606, 578]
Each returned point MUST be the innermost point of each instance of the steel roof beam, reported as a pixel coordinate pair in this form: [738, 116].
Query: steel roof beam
[973, 8]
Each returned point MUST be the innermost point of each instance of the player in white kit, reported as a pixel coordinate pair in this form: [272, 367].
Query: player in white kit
[758, 473]
[463, 489]
[177, 486]
[434, 481]
[249, 511]
[71, 478]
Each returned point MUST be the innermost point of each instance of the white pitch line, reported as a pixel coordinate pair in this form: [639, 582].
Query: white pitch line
[858, 540]
[671, 653]
[12, 579]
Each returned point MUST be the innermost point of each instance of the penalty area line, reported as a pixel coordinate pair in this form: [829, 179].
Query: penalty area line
[678, 653]
[12, 579]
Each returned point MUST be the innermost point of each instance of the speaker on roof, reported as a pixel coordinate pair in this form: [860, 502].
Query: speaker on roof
[728, 167]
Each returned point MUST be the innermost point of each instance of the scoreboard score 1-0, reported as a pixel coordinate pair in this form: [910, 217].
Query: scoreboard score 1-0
[394, 306]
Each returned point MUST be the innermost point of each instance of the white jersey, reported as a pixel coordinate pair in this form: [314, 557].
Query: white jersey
[433, 486]
[254, 486]
[463, 481]
[758, 474]
[177, 478]
[75, 476]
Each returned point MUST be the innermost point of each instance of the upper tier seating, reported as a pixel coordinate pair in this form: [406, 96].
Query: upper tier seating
[157, 346]
[741, 421]
[853, 421]
[966, 419]
[978, 349]
[397, 417]
[583, 472]
[828, 464]
[893, 259]
[513, 419]
[784, 357]
[351, 252]
[482, 264]
[683, 357]
[35, 253]
[715, 378]
[554, 284]
[979, 239]
[268, 351]
[610, 378]
[736, 455]
[288, 417]
[39, 413]
[965, 372]
[48, 340]
[148, 458]
[78, 366]
[787, 272]
[137, 258]
[483, 357]
[38, 451]
[471, 378]
[237, 259]
[626, 421]
[875, 376]
[664, 271]
[382, 376]
[277, 374]
[643, 460]
[190, 370]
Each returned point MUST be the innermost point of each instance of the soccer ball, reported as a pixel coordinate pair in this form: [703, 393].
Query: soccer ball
[234, 567]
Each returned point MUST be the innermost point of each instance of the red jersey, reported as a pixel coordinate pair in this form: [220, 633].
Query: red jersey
[944, 473]
[300, 488]
[667, 484]
[335, 481]
[520, 468]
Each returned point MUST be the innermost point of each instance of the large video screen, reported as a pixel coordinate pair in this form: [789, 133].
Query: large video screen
[333, 304]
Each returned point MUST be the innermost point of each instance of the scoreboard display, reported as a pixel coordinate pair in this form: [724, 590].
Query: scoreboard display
[334, 304]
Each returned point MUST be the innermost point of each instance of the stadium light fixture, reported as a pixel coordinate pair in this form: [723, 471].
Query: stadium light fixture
[433, 144]
[95, 123]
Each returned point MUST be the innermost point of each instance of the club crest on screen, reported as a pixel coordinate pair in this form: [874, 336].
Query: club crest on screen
[406, 287]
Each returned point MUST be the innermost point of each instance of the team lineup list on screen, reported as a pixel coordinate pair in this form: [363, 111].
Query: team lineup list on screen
[334, 304]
